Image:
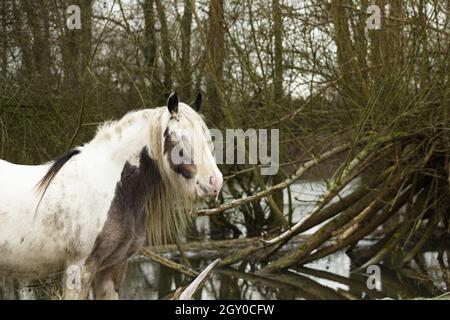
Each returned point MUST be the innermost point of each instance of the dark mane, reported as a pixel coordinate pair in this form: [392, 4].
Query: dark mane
[57, 164]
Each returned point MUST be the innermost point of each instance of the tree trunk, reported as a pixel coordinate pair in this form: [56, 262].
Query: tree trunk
[37, 17]
[4, 14]
[165, 48]
[215, 56]
[219, 225]
[186, 70]
[277, 94]
[76, 45]
[149, 48]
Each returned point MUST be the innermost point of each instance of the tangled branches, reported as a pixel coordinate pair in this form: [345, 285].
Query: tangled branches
[404, 202]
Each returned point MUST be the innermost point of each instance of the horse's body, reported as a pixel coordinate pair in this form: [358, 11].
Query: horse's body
[91, 207]
[70, 215]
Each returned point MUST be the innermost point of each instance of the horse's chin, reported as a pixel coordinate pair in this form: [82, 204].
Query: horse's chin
[193, 196]
[199, 198]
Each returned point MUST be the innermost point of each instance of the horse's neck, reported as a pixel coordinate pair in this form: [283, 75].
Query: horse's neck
[123, 141]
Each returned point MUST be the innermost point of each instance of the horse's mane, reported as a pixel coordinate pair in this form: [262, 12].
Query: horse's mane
[167, 215]
[112, 128]
[57, 164]
[168, 210]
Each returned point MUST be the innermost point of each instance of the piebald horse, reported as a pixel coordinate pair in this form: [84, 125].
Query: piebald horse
[92, 208]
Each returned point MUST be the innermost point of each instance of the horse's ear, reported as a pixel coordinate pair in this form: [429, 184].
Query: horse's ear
[172, 103]
[196, 105]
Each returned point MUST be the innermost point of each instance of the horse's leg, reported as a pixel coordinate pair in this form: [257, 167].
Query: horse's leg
[7, 291]
[107, 282]
[26, 292]
[78, 278]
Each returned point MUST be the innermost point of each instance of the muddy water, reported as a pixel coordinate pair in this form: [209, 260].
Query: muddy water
[328, 278]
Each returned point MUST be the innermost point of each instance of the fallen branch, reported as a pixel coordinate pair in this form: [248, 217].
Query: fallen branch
[418, 211]
[306, 166]
[354, 233]
[326, 232]
[168, 263]
[333, 191]
[423, 240]
[205, 245]
[320, 213]
[198, 283]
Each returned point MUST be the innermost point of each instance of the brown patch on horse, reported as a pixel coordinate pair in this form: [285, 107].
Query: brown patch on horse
[187, 170]
[124, 229]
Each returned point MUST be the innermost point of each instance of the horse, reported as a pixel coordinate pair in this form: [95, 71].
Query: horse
[92, 208]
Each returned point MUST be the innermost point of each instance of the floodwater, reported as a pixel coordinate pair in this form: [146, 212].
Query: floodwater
[332, 277]
[327, 278]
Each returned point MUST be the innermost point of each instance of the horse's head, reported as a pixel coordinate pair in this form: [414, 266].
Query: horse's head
[188, 150]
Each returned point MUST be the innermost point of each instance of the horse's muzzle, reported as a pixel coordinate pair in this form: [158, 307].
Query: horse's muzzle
[208, 190]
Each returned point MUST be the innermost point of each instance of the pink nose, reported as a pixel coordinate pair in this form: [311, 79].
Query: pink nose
[213, 183]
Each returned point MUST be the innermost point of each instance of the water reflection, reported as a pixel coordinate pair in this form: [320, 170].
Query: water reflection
[328, 278]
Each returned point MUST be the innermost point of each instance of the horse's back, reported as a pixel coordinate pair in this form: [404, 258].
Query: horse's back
[16, 177]
[42, 239]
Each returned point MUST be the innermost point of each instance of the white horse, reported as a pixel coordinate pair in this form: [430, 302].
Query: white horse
[88, 209]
